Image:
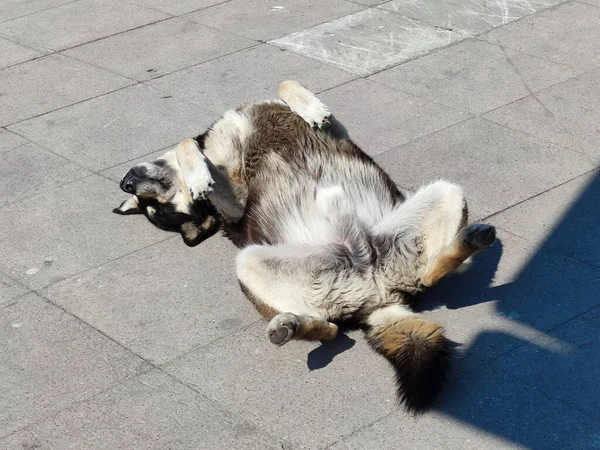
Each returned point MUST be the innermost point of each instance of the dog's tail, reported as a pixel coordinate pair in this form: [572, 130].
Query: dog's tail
[418, 351]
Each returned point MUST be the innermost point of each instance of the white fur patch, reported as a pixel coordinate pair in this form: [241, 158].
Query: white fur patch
[304, 103]
[388, 314]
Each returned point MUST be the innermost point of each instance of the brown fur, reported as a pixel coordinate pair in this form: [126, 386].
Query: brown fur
[313, 328]
[263, 309]
[420, 355]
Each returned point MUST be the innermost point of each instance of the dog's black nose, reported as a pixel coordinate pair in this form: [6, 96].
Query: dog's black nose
[127, 186]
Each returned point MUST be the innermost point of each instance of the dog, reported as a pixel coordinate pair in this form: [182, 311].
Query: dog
[326, 237]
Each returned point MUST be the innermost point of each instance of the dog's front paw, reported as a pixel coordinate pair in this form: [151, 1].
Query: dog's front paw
[200, 183]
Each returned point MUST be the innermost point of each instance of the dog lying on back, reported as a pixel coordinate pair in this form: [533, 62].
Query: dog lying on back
[326, 236]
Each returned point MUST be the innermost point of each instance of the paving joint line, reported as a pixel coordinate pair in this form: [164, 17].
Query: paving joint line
[223, 409]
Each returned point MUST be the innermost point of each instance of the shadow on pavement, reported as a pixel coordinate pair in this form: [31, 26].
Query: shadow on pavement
[545, 393]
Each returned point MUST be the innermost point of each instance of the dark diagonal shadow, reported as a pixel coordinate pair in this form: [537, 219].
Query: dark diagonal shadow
[321, 356]
[542, 394]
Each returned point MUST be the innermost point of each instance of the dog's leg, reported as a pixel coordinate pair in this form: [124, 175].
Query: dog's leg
[277, 280]
[194, 169]
[470, 240]
[438, 215]
[129, 206]
[304, 103]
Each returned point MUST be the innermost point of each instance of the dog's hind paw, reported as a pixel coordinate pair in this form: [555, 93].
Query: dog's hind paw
[282, 328]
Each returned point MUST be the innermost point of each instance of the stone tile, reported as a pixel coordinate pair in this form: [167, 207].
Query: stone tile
[486, 410]
[383, 118]
[560, 219]
[512, 293]
[26, 87]
[261, 21]
[11, 9]
[158, 49]
[117, 127]
[471, 17]
[10, 141]
[10, 289]
[570, 375]
[496, 166]
[369, 2]
[567, 35]
[293, 392]
[367, 41]
[164, 300]
[49, 360]
[29, 169]
[176, 7]
[66, 230]
[248, 75]
[160, 414]
[474, 76]
[12, 53]
[77, 23]
[567, 114]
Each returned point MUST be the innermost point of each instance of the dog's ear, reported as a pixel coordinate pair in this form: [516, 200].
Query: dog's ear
[129, 206]
[190, 233]
[193, 234]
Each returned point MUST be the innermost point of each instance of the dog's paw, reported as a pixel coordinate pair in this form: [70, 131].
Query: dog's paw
[282, 328]
[304, 103]
[200, 183]
[314, 112]
[479, 236]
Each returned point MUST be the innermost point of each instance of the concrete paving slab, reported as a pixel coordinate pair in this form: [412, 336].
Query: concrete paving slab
[29, 169]
[369, 2]
[252, 74]
[77, 23]
[497, 167]
[10, 141]
[383, 117]
[554, 218]
[27, 87]
[176, 7]
[566, 35]
[161, 414]
[286, 16]
[512, 293]
[117, 127]
[308, 395]
[159, 48]
[11, 9]
[471, 17]
[10, 289]
[486, 410]
[12, 53]
[66, 230]
[49, 360]
[567, 114]
[474, 76]
[572, 375]
[164, 300]
[367, 41]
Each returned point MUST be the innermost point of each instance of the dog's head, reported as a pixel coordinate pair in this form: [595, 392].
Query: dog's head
[159, 191]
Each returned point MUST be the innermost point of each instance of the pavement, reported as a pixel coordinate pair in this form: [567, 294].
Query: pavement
[115, 335]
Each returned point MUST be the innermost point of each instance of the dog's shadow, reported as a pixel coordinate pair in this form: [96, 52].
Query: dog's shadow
[321, 356]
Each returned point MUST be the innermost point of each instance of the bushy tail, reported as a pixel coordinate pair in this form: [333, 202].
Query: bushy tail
[419, 353]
